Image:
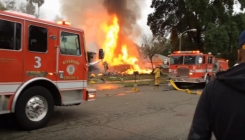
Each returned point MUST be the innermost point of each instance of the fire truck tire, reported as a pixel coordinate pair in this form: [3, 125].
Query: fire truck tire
[34, 108]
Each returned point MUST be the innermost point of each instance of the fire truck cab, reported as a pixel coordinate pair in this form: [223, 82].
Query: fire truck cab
[192, 67]
[42, 64]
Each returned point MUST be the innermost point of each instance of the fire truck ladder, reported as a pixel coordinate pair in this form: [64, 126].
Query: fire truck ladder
[186, 90]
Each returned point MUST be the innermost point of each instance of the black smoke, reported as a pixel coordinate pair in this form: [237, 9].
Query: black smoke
[128, 12]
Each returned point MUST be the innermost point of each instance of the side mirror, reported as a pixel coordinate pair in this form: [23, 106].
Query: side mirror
[101, 54]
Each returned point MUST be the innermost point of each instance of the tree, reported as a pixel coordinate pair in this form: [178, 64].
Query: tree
[10, 4]
[224, 37]
[2, 7]
[22, 7]
[7, 5]
[30, 8]
[39, 4]
[151, 46]
[184, 15]
[174, 40]
[168, 48]
[217, 26]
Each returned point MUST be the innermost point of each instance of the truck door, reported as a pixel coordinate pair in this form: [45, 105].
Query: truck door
[11, 54]
[40, 51]
[71, 78]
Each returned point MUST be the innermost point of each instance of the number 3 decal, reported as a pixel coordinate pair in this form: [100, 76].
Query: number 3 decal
[38, 62]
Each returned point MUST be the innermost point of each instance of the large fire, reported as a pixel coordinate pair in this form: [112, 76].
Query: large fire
[111, 46]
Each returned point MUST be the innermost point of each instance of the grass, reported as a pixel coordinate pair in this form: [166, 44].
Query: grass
[124, 80]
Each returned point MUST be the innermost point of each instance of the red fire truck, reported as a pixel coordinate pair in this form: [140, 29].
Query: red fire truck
[194, 67]
[42, 64]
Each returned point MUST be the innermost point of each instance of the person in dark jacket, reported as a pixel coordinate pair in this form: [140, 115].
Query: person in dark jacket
[221, 108]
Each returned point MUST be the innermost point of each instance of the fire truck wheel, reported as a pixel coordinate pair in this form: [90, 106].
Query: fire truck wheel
[34, 108]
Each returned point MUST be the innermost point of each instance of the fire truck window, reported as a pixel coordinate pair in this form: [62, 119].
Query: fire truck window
[69, 44]
[176, 60]
[190, 59]
[216, 65]
[38, 39]
[210, 60]
[10, 35]
[203, 60]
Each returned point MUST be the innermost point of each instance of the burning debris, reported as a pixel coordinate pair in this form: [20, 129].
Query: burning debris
[96, 79]
[100, 74]
[94, 75]
[113, 27]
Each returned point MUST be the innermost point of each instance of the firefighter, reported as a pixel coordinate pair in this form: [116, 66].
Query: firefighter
[105, 66]
[220, 109]
[157, 72]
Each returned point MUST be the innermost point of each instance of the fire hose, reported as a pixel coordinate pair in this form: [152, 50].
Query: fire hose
[185, 90]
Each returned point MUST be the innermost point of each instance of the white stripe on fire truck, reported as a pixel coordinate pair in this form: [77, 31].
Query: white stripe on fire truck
[203, 70]
[66, 85]
[197, 70]
[9, 87]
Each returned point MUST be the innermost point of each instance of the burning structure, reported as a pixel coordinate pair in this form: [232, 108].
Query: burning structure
[111, 25]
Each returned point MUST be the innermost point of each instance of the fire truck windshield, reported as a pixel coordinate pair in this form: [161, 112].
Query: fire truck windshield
[187, 59]
[176, 60]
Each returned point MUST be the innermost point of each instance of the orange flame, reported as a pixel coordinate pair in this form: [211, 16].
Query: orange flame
[111, 43]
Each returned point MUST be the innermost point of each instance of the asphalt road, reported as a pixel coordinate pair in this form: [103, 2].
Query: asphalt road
[153, 113]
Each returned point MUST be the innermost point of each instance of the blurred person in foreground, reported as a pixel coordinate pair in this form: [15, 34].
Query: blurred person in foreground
[221, 107]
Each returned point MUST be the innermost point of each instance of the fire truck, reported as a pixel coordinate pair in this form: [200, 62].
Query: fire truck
[194, 67]
[42, 64]
[220, 64]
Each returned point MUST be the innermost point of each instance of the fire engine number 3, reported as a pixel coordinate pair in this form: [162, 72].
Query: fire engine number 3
[32, 95]
[37, 62]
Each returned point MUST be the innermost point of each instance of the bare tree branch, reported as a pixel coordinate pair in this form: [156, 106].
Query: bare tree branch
[10, 4]
[151, 46]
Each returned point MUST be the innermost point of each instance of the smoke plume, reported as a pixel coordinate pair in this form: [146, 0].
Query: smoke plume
[128, 11]
[89, 14]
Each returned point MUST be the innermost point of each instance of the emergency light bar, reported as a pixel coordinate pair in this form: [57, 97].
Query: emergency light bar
[178, 52]
[64, 23]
